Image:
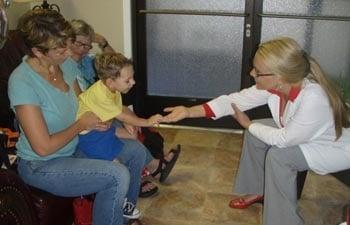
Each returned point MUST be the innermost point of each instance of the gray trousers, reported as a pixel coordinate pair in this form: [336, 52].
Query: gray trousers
[271, 171]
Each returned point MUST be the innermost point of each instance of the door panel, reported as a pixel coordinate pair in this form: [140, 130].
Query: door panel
[196, 4]
[329, 45]
[193, 56]
[322, 28]
[308, 7]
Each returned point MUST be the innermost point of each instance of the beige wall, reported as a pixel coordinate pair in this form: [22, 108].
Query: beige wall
[14, 12]
[105, 16]
[111, 18]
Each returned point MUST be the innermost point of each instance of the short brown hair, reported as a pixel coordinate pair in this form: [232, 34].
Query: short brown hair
[44, 29]
[109, 65]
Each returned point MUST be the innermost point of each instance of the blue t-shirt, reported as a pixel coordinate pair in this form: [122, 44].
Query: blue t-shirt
[59, 108]
[88, 75]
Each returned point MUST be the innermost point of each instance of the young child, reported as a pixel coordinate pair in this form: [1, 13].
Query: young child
[103, 98]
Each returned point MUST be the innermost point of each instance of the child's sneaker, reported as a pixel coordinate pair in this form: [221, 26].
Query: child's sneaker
[130, 210]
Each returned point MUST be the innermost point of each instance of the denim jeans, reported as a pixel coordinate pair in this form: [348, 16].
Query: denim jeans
[133, 144]
[133, 156]
[72, 176]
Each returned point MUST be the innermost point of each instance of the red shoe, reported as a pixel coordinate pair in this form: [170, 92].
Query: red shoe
[241, 203]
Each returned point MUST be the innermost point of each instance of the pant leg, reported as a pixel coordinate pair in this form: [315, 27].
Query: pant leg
[149, 156]
[69, 177]
[280, 201]
[250, 174]
[133, 156]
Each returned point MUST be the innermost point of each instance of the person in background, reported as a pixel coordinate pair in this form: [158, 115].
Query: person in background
[3, 24]
[43, 93]
[84, 37]
[309, 129]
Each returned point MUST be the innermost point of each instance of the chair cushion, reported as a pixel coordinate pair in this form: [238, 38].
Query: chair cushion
[52, 209]
[16, 207]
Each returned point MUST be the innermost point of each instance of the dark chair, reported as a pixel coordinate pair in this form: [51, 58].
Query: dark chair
[21, 204]
[300, 182]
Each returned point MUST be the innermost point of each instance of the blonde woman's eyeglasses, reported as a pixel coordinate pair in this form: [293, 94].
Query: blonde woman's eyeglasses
[257, 74]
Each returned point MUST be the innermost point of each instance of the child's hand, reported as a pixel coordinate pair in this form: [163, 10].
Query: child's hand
[155, 120]
[132, 130]
[103, 126]
[176, 113]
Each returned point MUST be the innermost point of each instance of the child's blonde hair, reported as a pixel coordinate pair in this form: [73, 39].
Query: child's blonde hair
[109, 65]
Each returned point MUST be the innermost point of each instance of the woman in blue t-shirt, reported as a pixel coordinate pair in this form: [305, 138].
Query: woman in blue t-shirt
[43, 93]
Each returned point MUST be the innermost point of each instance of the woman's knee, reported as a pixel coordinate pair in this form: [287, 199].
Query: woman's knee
[118, 174]
[275, 155]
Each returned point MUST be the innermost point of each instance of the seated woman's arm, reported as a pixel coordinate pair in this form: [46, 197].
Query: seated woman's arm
[36, 131]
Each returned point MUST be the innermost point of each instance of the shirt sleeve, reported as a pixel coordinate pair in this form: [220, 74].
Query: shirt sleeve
[310, 120]
[105, 108]
[245, 99]
[21, 90]
[208, 112]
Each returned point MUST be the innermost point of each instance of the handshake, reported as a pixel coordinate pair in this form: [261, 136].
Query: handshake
[175, 114]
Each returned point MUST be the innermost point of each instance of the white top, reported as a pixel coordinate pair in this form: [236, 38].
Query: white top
[306, 122]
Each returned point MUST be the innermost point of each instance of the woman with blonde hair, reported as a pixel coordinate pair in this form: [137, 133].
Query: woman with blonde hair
[309, 129]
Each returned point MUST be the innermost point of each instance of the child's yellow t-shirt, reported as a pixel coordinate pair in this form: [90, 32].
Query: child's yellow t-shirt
[101, 101]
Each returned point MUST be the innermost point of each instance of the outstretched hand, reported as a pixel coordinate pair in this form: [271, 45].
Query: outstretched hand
[176, 113]
[241, 117]
[155, 120]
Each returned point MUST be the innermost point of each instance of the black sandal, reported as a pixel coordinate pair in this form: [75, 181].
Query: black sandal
[148, 193]
[169, 165]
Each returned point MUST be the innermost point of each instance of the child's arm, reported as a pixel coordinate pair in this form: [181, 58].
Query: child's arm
[127, 116]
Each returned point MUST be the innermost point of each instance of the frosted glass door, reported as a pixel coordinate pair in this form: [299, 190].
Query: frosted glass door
[321, 27]
[193, 55]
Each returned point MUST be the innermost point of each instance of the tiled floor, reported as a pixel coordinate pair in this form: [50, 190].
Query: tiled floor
[200, 186]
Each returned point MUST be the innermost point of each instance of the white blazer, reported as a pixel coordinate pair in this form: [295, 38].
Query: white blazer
[307, 122]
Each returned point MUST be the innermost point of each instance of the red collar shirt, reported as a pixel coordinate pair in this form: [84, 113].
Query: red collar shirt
[307, 121]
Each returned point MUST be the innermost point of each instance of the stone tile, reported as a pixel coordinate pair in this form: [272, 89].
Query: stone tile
[198, 138]
[216, 211]
[148, 220]
[321, 212]
[230, 141]
[325, 187]
[177, 202]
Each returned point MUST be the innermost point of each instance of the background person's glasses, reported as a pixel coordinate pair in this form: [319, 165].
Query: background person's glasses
[81, 44]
